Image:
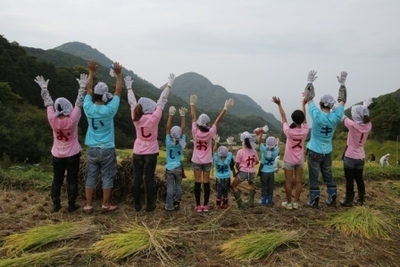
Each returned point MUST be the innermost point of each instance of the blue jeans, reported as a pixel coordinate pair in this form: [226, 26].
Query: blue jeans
[267, 183]
[223, 187]
[316, 163]
[102, 160]
[174, 187]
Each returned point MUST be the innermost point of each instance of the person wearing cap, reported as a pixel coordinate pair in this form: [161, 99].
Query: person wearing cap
[269, 153]
[324, 122]
[245, 161]
[175, 143]
[100, 108]
[146, 115]
[384, 161]
[66, 150]
[222, 160]
[293, 159]
[203, 132]
[354, 156]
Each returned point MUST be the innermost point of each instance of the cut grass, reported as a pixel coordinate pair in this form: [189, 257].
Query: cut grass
[257, 245]
[39, 236]
[137, 239]
[364, 222]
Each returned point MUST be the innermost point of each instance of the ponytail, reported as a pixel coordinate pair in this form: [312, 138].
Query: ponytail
[137, 113]
[366, 119]
[247, 143]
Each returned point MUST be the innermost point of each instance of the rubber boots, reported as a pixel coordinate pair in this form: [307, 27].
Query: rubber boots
[270, 201]
[252, 192]
[217, 203]
[332, 194]
[314, 198]
[150, 195]
[263, 200]
[72, 195]
[348, 201]
[238, 199]
[360, 200]
[55, 197]
[136, 191]
[224, 203]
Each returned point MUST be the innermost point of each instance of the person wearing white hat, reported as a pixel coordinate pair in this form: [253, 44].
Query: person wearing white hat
[66, 150]
[100, 108]
[384, 161]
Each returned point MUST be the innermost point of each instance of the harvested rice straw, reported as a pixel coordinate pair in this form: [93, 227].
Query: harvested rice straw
[39, 236]
[257, 245]
[54, 257]
[364, 222]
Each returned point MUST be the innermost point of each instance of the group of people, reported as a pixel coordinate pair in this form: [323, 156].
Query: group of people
[100, 107]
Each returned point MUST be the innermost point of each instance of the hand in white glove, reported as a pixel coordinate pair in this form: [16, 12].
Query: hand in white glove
[311, 76]
[367, 102]
[41, 82]
[229, 103]
[171, 79]
[265, 128]
[229, 140]
[342, 78]
[82, 80]
[172, 110]
[128, 82]
[216, 138]
[193, 100]
[182, 111]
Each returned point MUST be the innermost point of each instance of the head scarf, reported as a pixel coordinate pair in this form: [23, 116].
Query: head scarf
[328, 100]
[148, 105]
[359, 111]
[247, 135]
[176, 135]
[202, 120]
[102, 89]
[222, 151]
[270, 143]
[64, 104]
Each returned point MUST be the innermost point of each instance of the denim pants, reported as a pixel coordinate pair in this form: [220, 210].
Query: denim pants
[102, 160]
[223, 187]
[174, 186]
[267, 183]
[144, 165]
[316, 163]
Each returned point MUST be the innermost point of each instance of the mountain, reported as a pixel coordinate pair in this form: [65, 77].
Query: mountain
[212, 97]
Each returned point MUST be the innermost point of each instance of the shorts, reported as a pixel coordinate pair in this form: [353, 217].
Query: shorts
[246, 176]
[100, 160]
[202, 167]
[289, 166]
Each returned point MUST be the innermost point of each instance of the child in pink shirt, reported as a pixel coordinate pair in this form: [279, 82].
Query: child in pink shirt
[66, 150]
[293, 159]
[202, 154]
[146, 115]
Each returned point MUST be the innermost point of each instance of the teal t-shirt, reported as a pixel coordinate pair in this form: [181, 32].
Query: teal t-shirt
[174, 153]
[223, 167]
[268, 158]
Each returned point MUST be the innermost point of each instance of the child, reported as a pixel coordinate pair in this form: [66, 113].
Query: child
[269, 153]
[175, 144]
[202, 134]
[293, 159]
[222, 160]
[246, 160]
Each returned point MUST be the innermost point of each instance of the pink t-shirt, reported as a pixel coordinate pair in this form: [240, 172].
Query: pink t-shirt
[146, 133]
[65, 133]
[247, 159]
[356, 138]
[202, 142]
[294, 149]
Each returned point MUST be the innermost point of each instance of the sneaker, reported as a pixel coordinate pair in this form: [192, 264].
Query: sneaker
[106, 209]
[199, 208]
[205, 208]
[287, 206]
[295, 205]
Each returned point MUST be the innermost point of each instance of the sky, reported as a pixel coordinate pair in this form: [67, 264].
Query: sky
[261, 48]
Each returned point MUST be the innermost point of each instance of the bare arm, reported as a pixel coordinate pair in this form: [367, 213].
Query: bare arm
[118, 76]
[92, 70]
[303, 108]
[219, 118]
[169, 123]
[183, 124]
[277, 101]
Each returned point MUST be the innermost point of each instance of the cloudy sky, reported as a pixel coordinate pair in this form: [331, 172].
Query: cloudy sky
[257, 47]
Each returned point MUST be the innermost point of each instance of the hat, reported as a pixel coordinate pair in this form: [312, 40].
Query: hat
[148, 105]
[327, 100]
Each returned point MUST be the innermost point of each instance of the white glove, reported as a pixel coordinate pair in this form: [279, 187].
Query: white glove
[182, 111]
[367, 102]
[229, 140]
[41, 82]
[228, 103]
[265, 128]
[342, 78]
[128, 82]
[216, 138]
[193, 100]
[112, 73]
[172, 110]
[311, 76]
[82, 80]
[171, 79]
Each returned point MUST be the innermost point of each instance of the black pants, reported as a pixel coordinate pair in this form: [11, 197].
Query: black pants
[144, 164]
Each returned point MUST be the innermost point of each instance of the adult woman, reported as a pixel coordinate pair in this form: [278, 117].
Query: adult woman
[146, 115]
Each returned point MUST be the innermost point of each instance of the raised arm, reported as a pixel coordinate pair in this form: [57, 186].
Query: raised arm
[165, 93]
[131, 95]
[44, 92]
[303, 108]
[182, 113]
[216, 139]
[342, 95]
[172, 111]
[82, 81]
[118, 77]
[277, 101]
[309, 91]
[193, 100]
[229, 141]
[228, 103]
[92, 70]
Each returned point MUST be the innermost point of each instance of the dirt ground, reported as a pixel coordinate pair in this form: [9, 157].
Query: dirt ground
[319, 246]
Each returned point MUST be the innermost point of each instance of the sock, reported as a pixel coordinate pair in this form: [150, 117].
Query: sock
[197, 192]
[206, 187]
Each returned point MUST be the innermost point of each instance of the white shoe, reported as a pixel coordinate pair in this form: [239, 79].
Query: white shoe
[287, 206]
[295, 205]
